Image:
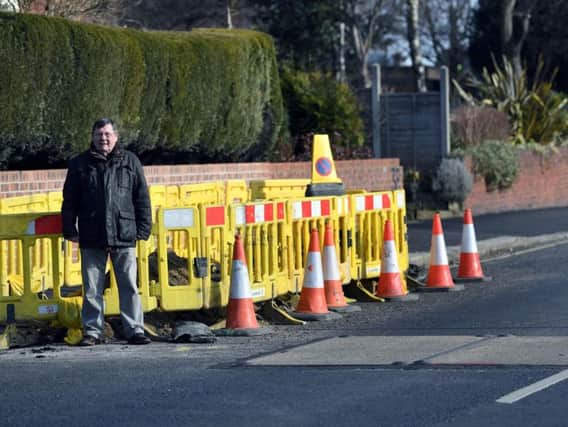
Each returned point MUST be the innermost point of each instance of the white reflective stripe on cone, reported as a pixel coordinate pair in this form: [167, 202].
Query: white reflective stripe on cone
[240, 287]
[313, 276]
[469, 245]
[438, 255]
[330, 268]
[389, 265]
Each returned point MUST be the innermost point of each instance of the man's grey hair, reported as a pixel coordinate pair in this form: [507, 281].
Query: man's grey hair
[100, 123]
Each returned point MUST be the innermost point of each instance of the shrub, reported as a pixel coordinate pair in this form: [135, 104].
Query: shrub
[211, 94]
[535, 111]
[316, 103]
[452, 182]
[497, 163]
[472, 125]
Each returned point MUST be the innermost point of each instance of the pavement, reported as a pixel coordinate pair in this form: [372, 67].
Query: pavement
[496, 234]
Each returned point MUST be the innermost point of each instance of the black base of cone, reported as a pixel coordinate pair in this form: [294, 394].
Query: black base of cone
[325, 189]
[403, 298]
[455, 288]
[345, 308]
[244, 332]
[473, 279]
[316, 316]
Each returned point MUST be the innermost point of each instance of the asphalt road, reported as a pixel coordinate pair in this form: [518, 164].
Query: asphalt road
[444, 360]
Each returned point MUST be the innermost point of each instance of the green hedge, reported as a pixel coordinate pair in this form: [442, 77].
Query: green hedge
[211, 92]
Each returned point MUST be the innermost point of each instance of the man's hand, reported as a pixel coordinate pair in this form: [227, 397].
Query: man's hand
[74, 239]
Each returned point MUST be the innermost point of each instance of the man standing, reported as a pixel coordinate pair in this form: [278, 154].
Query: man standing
[106, 209]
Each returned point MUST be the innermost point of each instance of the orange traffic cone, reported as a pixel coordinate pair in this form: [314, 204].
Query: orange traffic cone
[469, 269]
[241, 317]
[391, 286]
[312, 304]
[439, 276]
[331, 278]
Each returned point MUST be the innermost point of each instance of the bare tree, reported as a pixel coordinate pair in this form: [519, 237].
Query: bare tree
[9, 5]
[413, 35]
[369, 22]
[515, 23]
[446, 32]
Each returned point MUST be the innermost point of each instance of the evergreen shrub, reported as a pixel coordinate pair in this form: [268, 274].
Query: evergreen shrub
[497, 162]
[208, 94]
[316, 103]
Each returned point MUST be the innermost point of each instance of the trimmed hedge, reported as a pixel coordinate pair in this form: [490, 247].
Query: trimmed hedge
[211, 92]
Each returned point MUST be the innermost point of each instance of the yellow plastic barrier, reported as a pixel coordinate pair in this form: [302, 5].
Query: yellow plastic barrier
[186, 292]
[25, 204]
[236, 191]
[264, 229]
[54, 201]
[209, 193]
[272, 189]
[304, 215]
[186, 265]
[369, 212]
[26, 229]
[216, 255]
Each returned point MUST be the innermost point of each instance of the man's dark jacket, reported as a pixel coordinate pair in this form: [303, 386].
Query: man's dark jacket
[107, 197]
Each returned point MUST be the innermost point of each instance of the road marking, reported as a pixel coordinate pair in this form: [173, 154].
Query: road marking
[533, 388]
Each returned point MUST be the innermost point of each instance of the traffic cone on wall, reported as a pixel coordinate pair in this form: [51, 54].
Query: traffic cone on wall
[439, 276]
[312, 304]
[331, 278]
[391, 286]
[469, 269]
[325, 181]
[241, 317]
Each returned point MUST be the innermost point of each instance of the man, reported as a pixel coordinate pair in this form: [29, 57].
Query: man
[106, 209]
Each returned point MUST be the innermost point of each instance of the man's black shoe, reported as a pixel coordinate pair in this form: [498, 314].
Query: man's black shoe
[89, 341]
[139, 339]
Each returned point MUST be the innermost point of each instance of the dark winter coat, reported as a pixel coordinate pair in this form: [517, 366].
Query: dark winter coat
[107, 198]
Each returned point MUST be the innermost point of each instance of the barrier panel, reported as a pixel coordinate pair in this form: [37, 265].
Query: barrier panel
[209, 193]
[263, 227]
[178, 287]
[29, 302]
[216, 256]
[369, 212]
[236, 191]
[306, 214]
[271, 189]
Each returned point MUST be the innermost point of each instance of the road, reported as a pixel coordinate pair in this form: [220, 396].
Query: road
[495, 354]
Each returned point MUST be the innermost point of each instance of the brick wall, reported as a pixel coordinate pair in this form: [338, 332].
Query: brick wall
[370, 174]
[542, 183]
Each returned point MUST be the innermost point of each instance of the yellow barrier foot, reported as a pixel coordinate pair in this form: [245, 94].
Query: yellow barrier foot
[365, 294]
[274, 313]
[7, 337]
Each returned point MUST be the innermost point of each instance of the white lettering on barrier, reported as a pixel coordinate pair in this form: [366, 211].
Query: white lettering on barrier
[48, 309]
[373, 269]
[258, 292]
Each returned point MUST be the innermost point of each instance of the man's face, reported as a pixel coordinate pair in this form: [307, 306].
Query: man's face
[105, 139]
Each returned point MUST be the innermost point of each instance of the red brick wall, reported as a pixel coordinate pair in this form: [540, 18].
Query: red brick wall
[370, 174]
[542, 183]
